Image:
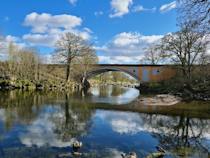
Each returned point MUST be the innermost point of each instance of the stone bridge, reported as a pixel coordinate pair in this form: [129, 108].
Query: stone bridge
[142, 73]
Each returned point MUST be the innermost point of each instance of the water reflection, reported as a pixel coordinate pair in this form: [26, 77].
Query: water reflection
[44, 124]
[172, 133]
[113, 94]
[42, 131]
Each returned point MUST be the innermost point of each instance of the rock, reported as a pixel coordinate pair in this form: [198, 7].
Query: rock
[160, 100]
[159, 154]
[130, 155]
[85, 83]
[39, 87]
[156, 155]
[66, 155]
[160, 149]
[76, 153]
[76, 146]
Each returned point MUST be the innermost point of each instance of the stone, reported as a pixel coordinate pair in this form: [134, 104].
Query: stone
[160, 100]
[130, 155]
[77, 153]
[156, 155]
[66, 155]
[77, 144]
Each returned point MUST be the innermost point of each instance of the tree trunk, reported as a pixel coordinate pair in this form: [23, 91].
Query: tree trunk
[67, 115]
[36, 76]
[68, 71]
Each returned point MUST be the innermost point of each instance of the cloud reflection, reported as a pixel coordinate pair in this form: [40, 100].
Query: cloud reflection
[42, 132]
[121, 122]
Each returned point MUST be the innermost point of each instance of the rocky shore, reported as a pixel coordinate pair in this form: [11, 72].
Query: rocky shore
[34, 85]
[159, 100]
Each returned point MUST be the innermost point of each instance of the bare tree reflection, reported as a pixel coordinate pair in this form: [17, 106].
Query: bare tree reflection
[181, 132]
[75, 120]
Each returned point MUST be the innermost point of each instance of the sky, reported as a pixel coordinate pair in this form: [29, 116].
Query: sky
[118, 29]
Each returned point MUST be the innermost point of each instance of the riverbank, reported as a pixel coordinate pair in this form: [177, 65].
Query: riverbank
[200, 92]
[37, 85]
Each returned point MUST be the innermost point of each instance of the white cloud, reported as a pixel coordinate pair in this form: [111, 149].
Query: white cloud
[125, 39]
[98, 13]
[4, 43]
[120, 7]
[119, 59]
[168, 7]
[126, 47]
[47, 28]
[10, 38]
[14, 39]
[40, 23]
[151, 39]
[41, 39]
[85, 33]
[133, 39]
[140, 8]
[73, 2]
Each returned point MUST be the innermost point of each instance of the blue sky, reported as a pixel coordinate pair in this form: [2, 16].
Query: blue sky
[119, 29]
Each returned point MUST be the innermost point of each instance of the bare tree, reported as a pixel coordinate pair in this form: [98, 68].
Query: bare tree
[83, 64]
[23, 63]
[2, 46]
[153, 55]
[196, 13]
[185, 47]
[69, 47]
[28, 62]
[2, 65]
[204, 59]
[1, 42]
[13, 59]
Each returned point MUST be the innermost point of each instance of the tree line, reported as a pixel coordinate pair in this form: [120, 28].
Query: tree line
[21, 63]
[71, 51]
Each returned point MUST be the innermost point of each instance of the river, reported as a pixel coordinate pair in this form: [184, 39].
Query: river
[105, 119]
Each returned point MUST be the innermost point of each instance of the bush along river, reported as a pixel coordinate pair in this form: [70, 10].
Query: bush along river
[105, 122]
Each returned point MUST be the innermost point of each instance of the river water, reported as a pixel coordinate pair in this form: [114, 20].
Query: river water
[107, 120]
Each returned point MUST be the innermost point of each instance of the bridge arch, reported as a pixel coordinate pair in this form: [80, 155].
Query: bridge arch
[99, 70]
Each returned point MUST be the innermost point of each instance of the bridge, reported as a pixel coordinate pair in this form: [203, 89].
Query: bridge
[142, 73]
